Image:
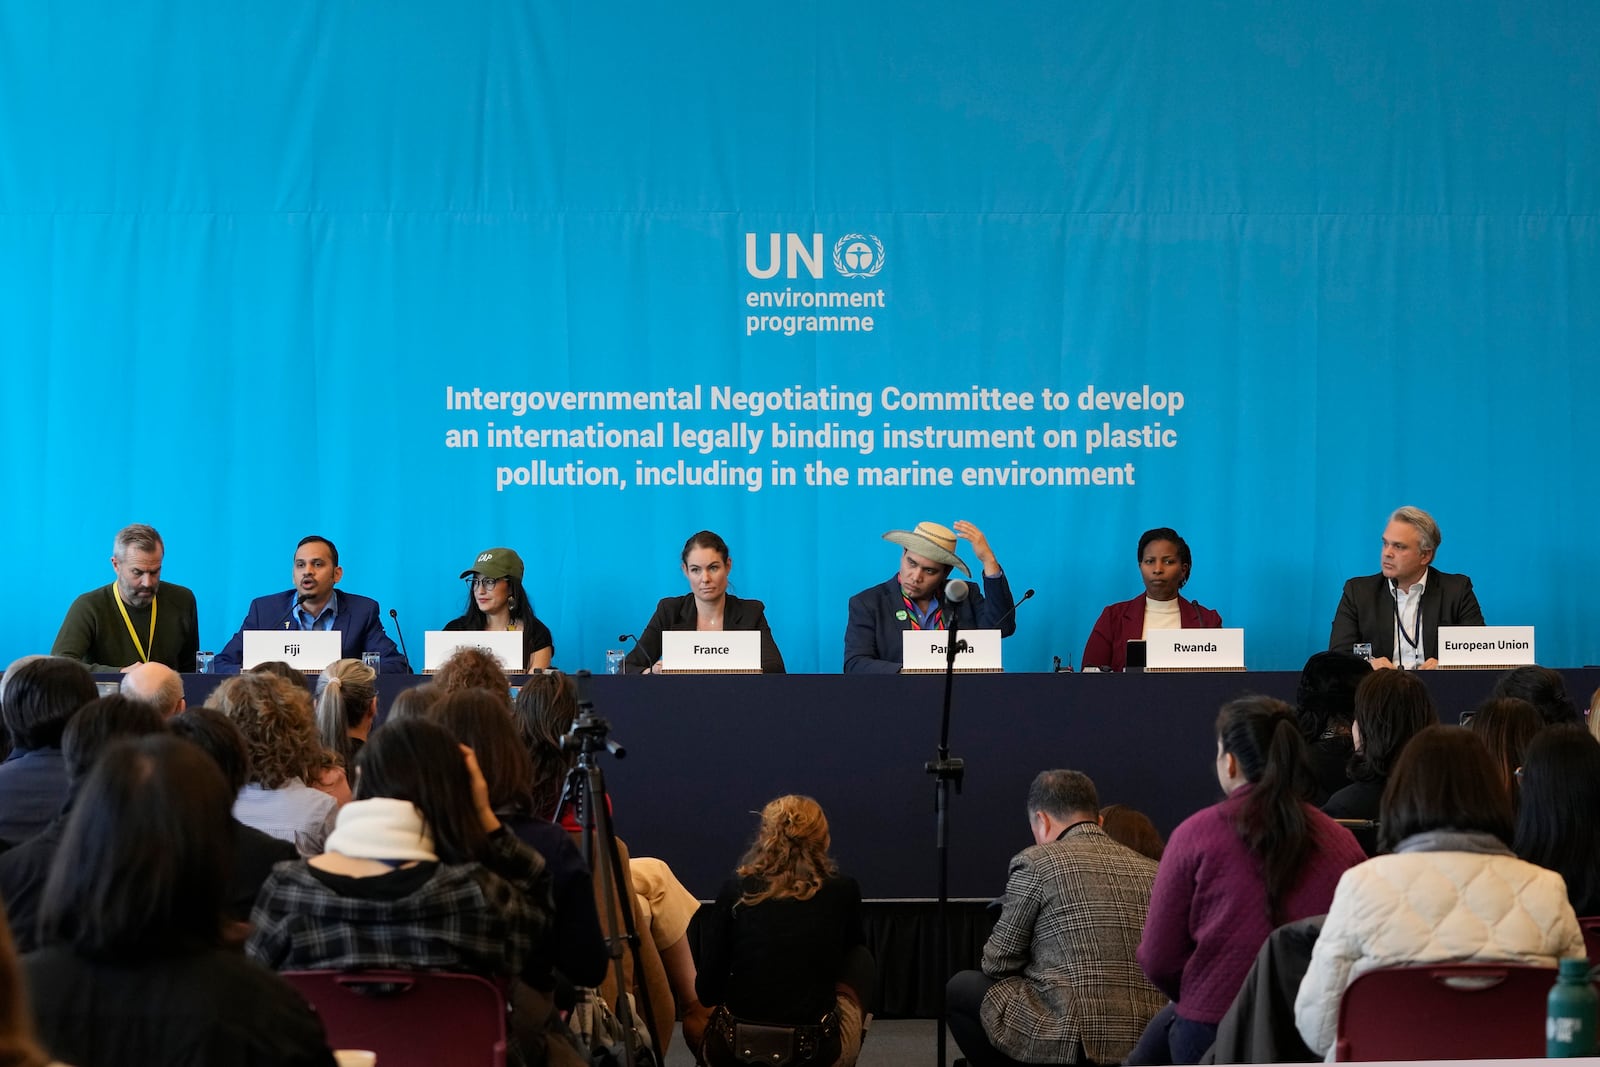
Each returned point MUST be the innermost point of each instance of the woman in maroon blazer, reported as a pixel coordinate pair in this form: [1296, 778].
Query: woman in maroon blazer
[1164, 563]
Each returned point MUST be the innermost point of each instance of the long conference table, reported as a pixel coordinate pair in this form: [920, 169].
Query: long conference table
[706, 751]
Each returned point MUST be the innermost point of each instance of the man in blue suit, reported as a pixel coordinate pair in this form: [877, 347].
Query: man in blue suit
[314, 604]
[914, 598]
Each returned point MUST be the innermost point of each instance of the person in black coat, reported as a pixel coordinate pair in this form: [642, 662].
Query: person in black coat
[708, 606]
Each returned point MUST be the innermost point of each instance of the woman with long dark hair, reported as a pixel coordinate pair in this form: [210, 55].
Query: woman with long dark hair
[1449, 887]
[134, 968]
[776, 947]
[1233, 872]
[496, 600]
[1506, 725]
[707, 606]
[1557, 826]
[1391, 707]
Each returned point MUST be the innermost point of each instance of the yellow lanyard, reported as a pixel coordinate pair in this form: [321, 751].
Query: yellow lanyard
[144, 656]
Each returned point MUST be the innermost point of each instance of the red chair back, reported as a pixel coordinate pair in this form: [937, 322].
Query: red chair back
[410, 1018]
[1591, 938]
[1445, 1011]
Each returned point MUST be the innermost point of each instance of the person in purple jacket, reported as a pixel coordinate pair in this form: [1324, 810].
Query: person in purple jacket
[1232, 873]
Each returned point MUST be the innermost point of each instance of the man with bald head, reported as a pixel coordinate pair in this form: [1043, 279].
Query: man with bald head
[136, 619]
[157, 685]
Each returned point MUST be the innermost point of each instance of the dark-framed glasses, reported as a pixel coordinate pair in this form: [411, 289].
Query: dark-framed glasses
[486, 584]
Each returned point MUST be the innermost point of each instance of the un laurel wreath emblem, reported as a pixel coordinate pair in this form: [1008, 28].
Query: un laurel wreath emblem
[858, 255]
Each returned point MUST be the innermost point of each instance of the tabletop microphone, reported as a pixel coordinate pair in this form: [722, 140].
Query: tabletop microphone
[395, 618]
[648, 661]
[300, 598]
[1003, 619]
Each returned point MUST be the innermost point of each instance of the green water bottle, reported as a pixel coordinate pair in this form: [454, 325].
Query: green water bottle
[1569, 1025]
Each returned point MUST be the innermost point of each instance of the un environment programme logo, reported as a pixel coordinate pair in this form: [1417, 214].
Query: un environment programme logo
[787, 306]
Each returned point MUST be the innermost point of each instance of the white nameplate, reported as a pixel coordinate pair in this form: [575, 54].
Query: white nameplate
[503, 645]
[1485, 646]
[924, 650]
[1194, 650]
[710, 652]
[304, 650]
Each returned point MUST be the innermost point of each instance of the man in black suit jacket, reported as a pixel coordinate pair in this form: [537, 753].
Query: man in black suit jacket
[1400, 609]
[914, 598]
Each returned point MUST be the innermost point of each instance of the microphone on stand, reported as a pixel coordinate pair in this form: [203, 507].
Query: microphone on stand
[395, 617]
[649, 662]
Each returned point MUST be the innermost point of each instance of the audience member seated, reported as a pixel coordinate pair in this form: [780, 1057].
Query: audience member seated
[5, 734]
[1059, 982]
[157, 685]
[18, 1046]
[1133, 829]
[1542, 687]
[25, 868]
[347, 706]
[254, 853]
[473, 668]
[293, 675]
[1325, 706]
[1234, 871]
[419, 874]
[41, 696]
[783, 944]
[1594, 714]
[1391, 707]
[1450, 890]
[413, 703]
[576, 948]
[134, 969]
[286, 760]
[1557, 826]
[662, 908]
[1505, 725]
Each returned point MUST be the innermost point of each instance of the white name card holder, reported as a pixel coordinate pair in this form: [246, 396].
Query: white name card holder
[924, 651]
[304, 650]
[503, 645]
[1466, 648]
[1170, 651]
[710, 652]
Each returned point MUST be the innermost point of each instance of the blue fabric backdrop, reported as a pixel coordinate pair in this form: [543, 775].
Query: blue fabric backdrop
[245, 248]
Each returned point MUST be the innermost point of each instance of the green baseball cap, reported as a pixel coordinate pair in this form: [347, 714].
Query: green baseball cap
[496, 563]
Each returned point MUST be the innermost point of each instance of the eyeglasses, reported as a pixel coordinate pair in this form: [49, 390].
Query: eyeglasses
[486, 584]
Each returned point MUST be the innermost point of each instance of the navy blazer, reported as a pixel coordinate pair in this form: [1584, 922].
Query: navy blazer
[1120, 623]
[1366, 613]
[680, 613]
[357, 619]
[874, 638]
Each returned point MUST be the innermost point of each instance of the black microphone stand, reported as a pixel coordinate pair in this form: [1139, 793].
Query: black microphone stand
[946, 771]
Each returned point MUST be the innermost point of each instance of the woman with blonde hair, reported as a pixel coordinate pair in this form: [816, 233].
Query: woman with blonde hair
[782, 951]
[296, 786]
[347, 706]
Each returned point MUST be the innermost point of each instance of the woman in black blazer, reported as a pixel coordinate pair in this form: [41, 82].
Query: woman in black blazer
[708, 606]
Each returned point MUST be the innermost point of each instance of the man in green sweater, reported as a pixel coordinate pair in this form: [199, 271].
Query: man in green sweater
[137, 618]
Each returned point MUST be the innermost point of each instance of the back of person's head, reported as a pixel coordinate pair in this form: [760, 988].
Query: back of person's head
[420, 761]
[1133, 829]
[18, 1047]
[1556, 823]
[413, 703]
[144, 860]
[1505, 725]
[1444, 780]
[1326, 697]
[1062, 794]
[478, 719]
[1261, 734]
[544, 710]
[1542, 687]
[275, 718]
[216, 735]
[41, 696]
[346, 691]
[473, 668]
[100, 722]
[292, 675]
[1391, 707]
[789, 857]
[156, 684]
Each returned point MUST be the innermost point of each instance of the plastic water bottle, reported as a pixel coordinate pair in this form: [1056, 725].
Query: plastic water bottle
[1570, 1023]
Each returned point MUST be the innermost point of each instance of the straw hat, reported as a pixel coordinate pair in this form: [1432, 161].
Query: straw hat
[931, 541]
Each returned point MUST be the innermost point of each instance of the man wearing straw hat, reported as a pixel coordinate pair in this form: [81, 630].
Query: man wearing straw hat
[914, 599]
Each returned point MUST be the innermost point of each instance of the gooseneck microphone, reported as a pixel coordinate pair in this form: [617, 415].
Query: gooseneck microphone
[648, 661]
[394, 616]
[1001, 625]
[299, 598]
